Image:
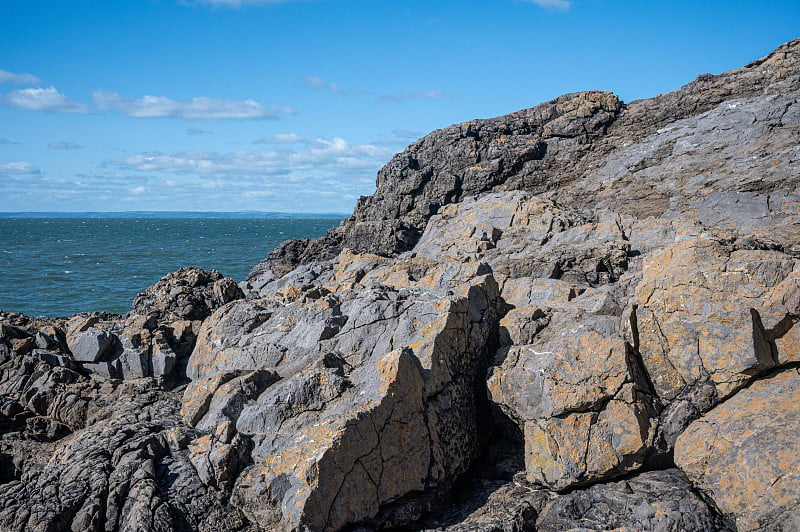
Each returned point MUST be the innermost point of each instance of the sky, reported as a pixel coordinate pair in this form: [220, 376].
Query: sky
[293, 105]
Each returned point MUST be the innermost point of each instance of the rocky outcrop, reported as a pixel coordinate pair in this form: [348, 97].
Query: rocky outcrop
[187, 294]
[582, 315]
[743, 454]
[589, 150]
[378, 396]
[655, 500]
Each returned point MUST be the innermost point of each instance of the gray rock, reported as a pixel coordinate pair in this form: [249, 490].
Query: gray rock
[187, 294]
[592, 151]
[92, 345]
[660, 501]
[743, 454]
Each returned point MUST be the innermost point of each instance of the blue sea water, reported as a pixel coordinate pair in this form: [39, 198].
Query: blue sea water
[61, 266]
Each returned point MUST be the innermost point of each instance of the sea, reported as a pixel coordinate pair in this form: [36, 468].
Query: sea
[60, 266]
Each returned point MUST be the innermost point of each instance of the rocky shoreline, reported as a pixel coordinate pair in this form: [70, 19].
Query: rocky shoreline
[580, 316]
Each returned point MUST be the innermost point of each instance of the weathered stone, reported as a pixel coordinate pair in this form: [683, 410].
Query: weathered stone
[187, 294]
[490, 506]
[218, 457]
[198, 394]
[345, 423]
[163, 359]
[341, 468]
[698, 315]
[583, 418]
[653, 501]
[91, 345]
[744, 454]
[230, 398]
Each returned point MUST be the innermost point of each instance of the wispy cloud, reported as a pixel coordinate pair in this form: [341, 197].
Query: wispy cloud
[200, 108]
[281, 138]
[432, 95]
[552, 4]
[318, 157]
[399, 137]
[19, 168]
[6, 141]
[193, 132]
[321, 175]
[40, 99]
[18, 79]
[406, 134]
[237, 3]
[317, 83]
[64, 145]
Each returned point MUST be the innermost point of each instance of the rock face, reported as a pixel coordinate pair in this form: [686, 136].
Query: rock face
[743, 454]
[580, 316]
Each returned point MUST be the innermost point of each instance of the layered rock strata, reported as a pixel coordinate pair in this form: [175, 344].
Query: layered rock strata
[577, 316]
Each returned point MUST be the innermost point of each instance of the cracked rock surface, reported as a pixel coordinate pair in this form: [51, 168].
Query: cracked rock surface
[579, 316]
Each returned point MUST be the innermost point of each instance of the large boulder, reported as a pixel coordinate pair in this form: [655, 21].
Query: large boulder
[743, 454]
[91, 345]
[187, 294]
[662, 501]
[379, 391]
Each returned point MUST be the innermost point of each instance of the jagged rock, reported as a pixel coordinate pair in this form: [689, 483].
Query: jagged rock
[129, 472]
[699, 327]
[743, 454]
[354, 424]
[490, 506]
[91, 345]
[582, 414]
[698, 314]
[653, 501]
[565, 377]
[592, 151]
[230, 398]
[198, 394]
[187, 294]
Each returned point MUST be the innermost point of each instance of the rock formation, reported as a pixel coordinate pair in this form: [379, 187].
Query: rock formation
[577, 316]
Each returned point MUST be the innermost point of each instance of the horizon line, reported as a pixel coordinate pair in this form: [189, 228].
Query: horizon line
[22, 214]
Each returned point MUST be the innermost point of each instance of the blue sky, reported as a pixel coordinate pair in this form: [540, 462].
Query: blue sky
[293, 105]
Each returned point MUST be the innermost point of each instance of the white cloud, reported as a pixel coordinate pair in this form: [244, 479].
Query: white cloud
[18, 79]
[136, 190]
[64, 145]
[39, 99]
[552, 4]
[281, 138]
[193, 132]
[316, 158]
[19, 168]
[200, 108]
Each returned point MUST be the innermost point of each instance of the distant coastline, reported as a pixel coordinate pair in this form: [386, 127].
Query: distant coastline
[177, 214]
